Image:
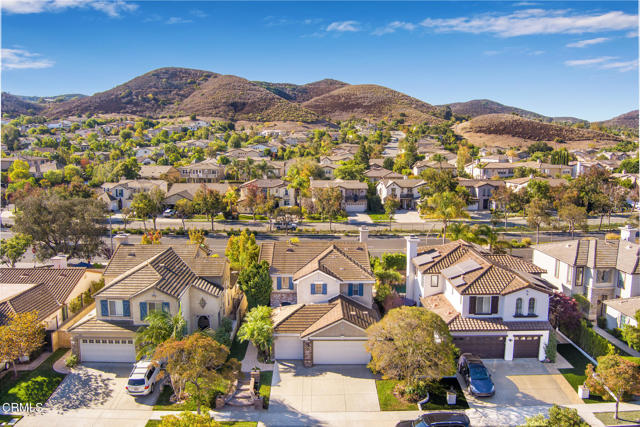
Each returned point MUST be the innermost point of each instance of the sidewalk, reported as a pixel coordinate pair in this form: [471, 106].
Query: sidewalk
[615, 341]
[59, 365]
[251, 360]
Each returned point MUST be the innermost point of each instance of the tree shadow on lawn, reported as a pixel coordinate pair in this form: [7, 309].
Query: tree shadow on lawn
[81, 389]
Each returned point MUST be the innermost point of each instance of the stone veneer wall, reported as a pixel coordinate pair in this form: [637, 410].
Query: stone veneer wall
[277, 298]
[307, 351]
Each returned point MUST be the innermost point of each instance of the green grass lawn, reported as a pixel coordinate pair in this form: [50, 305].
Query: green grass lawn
[624, 418]
[265, 386]
[9, 385]
[7, 418]
[379, 217]
[238, 349]
[164, 404]
[438, 397]
[576, 376]
[156, 423]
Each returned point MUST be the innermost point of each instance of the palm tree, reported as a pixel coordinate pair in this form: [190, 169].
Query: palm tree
[161, 326]
[445, 206]
[485, 235]
[234, 169]
[438, 158]
[264, 169]
[460, 231]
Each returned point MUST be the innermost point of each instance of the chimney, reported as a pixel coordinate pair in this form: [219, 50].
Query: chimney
[628, 233]
[364, 234]
[59, 261]
[122, 238]
[412, 251]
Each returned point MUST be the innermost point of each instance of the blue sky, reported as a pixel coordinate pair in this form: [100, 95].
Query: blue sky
[556, 58]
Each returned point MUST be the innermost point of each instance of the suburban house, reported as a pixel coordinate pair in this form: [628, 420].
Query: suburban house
[329, 169]
[159, 172]
[496, 305]
[118, 195]
[406, 191]
[140, 279]
[354, 193]
[376, 174]
[422, 165]
[180, 191]
[481, 192]
[275, 188]
[206, 171]
[47, 290]
[488, 170]
[323, 292]
[621, 311]
[597, 269]
[517, 184]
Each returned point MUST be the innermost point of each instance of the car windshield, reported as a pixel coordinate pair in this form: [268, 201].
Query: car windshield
[136, 381]
[478, 372]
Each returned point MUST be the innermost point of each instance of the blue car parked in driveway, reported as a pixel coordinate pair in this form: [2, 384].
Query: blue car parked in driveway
[476, 376]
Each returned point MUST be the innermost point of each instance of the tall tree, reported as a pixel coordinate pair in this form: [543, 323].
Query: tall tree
[208, 202]
[614, 375]
[252, 198]
[184, 209]
[242, 250]
[22, 335]
[537, 215]
[143, 206]
[445, 206]
[391, 205]
[13, 248]
[328, 202]
[573, 215]
[160, 327]
[258, 329]
[504, 197]
[255, 281]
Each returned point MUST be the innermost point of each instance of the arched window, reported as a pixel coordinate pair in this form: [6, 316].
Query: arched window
[519, 307]
[532, 306]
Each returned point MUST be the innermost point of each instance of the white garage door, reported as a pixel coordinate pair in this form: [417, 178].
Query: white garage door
[288, 348]
[107, 350]
[340, 353]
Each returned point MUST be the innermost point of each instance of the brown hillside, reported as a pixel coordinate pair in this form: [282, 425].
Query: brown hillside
[481, 107]
[371, 101]
[510, 130]
[627, 120]
[235, 98]
[147, 95]
[14, 106]
[302, 93]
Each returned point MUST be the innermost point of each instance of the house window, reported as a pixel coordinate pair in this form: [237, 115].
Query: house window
[603, 276]
[620, 282]
[434, 281]
[556, 272]
[157, 306]
[115, 308]
[318, 288]
[483, 305]
[579, 274]
[291, 283]
[568, 274]
[532, 306]
[519, 307]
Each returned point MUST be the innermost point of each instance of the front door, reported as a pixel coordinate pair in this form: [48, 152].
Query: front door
[203, 322]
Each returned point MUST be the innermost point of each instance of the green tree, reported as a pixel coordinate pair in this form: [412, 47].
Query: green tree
[188, 419]
[350, 170]
[463, 158]
[506, 199]
[328, 202]
[615, 376]
[574, 216]
[208, 202]
[11, 137]
[13, 248]
[558, 416]
[391, 205]
[160, 327]
[22, 335]
[144, 207]
[54, 176]
[537, 215]
[258, 329]
[411, 344]
[445, 206]
[560, 157]
[629, 166]
[242, 250]
[184, 209]
[631, 334]
[19, 171]
[255, 281]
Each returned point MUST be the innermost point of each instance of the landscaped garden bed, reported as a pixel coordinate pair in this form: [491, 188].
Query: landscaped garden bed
[390, 400]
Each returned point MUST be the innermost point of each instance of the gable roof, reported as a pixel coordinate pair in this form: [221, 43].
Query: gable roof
[404, 183]
[348, 184]
[189, 190]
[336, 263]
[128, 255]
[37, 298]
[626, 306]
[60, 281]
[593, 253]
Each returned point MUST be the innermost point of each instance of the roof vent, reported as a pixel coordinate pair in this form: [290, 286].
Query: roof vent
[131, 254]
[289, 249]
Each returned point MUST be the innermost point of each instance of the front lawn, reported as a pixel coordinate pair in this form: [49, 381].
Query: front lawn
[438, 397]
[377, 217]
[156, 423]
[576, 376]
[32, 386]
[164, 404]
[265, 387]
[7, 418]
[624, 418]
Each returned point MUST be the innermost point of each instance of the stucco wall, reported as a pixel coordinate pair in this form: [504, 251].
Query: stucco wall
[304, 288]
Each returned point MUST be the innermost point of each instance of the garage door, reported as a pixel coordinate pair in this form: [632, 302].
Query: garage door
[526, 346]
[340, 353]
[488, 347]
[288, 348]
[107, 350]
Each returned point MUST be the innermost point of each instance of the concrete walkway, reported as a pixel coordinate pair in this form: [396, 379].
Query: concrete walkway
[615, 341]
[250, 360]
[59, 365]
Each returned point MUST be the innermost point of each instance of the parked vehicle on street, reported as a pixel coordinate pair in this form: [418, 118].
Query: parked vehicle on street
[169, 213]
[475, 375]
[142, 378]
[286, 226]
[438, 419]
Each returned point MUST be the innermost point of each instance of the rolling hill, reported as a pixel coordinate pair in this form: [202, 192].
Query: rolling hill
[626, 120]
[14, 105]
[302, 93]
[481, 107]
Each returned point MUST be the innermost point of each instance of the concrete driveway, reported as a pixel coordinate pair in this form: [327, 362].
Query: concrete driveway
[324, 388]
[359, 218]
[404, 216]
[524, 382]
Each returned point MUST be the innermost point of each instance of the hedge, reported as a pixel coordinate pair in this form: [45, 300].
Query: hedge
[589, 340]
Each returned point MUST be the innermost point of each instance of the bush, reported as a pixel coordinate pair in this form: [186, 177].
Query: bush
[223, 333]
[75, 305]
[551, 349]
[526, 242]
[583, 302]
[601, 321]
[417, 392]
[71, 361]
[612, 236]
[589, 340]
[36, 390]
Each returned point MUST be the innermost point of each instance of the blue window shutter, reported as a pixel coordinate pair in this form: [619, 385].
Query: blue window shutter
[166, 307]
[143, 310]
[350, 290]
[324, 289]
[104, 307]
[313, 289]
[290, 282]
[279, 280]
[126, 308]
[360, 289]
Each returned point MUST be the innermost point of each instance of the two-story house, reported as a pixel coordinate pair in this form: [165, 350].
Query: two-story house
[597, 269]
[406, 191]
[323, 292]
[354, 193]
[274, 187]
[480, 192]
[206, 171]
[422, 165]
[166, 172]
[376, 174]
[182, 190]
[140, 279]
[494, 305]
[492, 170]
[118, 195]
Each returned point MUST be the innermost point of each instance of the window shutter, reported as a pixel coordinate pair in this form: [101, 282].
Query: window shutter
[143, 310]
[290, 282]
[104, 307]
[126, 308]
[360, 289]
[313, 289]
[350, 289]
[279, 282]
[324, 289]
[472, 305]
[166, 307]
[494, 304]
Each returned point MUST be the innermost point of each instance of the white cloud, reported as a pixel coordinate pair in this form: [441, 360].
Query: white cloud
[391, 27]
[178, 20]
[535, 21]
[589, 42]
[621, 66]
[632, 34]
[588, 62]
[21, 59]
[198, 13]
[344, 26]
[112, 8]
